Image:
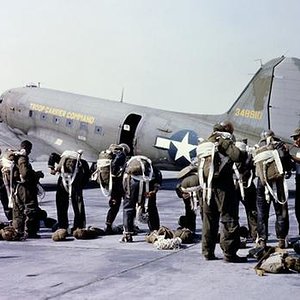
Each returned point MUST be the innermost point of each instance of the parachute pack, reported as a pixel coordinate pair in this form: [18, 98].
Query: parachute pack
[210, 164]
[140, 169]
[68, 167]
[8, 169]
[268, 164]
[269, 169]
[108, 166]
[103, 173]
[189, 188]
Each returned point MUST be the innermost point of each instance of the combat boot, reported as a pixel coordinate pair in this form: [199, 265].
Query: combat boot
[281, 243]
[235, 259]
[126, 238]
[108, 230]
[261, 243]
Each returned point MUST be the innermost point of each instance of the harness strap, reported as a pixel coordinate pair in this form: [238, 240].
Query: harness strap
[104, 163]
[239, 180]
[207, 149]
[192, 191]
[68, 178]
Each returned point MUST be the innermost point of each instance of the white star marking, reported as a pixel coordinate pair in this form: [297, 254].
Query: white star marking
[183, 148]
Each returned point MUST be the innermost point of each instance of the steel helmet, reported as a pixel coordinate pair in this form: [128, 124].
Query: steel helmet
[125, 148]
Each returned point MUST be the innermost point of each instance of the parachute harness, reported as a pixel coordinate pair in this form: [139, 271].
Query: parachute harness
[266, 157]
[68, 178]
[205, 150]
[104, 163]
[238, 179]
[7, 167]
[192, 192]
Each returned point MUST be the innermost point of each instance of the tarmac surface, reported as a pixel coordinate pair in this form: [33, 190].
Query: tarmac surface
[104, 268]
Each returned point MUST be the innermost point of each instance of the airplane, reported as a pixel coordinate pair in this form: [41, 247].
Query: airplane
[61, 120]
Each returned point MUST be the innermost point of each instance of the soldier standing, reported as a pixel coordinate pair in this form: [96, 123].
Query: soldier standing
[4, 197]
[73, 176]
[141, 182]
[117, 192]
[268, 181]
[25, 201]
[244, 174]
[219, 198]
[295, 152]
[189, 190]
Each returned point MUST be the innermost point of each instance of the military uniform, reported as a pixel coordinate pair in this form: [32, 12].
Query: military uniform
[76, 189]
[281, 206]
[189, 190]
[131, 199]
[223, 206]
[117, 191]
[296, 158]
[25, 201]
[4, 200]
[3, 195]
[247, 173]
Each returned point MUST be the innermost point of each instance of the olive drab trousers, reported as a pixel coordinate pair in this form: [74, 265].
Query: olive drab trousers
[25, 209]
[115, 200]
[223, 208]
[263, 210]
[62, 205]
[129, 209]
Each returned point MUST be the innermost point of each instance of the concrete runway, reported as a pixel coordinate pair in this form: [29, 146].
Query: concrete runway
[104, 268]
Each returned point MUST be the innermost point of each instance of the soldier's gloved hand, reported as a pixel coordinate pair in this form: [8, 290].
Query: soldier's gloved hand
[52, 171]
[39, 174]
[224, 143]
[288, 175]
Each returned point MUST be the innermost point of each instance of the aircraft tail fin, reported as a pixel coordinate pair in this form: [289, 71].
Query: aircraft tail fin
[251, 111]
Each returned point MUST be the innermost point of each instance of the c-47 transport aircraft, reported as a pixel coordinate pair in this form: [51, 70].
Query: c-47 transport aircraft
[61, 120]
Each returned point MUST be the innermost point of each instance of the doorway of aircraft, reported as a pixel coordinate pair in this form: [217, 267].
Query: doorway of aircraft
[128, 130]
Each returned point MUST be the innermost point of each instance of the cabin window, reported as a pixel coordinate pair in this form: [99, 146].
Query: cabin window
[43, 116]
[30, 114]
[1, 100]
[69, 123]
[56, 120]
[83, 126]
[98, 129]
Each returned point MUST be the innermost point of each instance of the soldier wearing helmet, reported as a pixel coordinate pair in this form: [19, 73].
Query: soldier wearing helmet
[266, 185]
[295, 152]
[120, 153]
[220, 202]
[228, 127]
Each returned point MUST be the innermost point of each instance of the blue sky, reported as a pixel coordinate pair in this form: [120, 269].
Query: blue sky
[189, 55]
